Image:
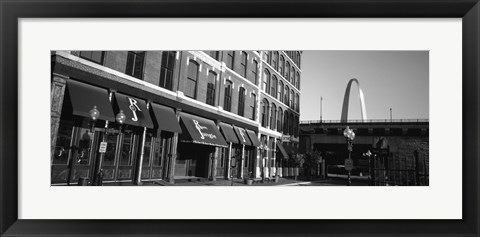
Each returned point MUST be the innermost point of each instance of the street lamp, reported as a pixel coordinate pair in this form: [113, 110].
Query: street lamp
[94, 114]
[349, 135]
[369, 154]
[120, 118]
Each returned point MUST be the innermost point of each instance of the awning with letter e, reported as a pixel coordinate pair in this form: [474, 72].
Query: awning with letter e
[135, 110]
[201, 131]
[84, 97]
[242, 136]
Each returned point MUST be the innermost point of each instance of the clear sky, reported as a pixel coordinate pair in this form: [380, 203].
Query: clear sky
[388, 79]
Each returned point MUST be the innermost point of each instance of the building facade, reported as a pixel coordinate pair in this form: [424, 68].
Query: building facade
[139, 116]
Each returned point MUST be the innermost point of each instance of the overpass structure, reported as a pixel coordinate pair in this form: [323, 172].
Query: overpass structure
[405, 142]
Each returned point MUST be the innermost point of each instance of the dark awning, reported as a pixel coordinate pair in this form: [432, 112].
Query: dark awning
[288, 149]
[84, 97]
[201, 131]
[242, 136]
[282, 150]
[253, 137]
[228, 133]
[134, 109]
[165, 118]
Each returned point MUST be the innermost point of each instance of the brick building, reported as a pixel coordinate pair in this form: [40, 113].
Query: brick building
[139, 116]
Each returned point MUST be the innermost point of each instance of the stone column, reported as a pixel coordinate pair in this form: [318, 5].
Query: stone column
[57, 94]
[173, 151]
[274, 158]
[242, 163]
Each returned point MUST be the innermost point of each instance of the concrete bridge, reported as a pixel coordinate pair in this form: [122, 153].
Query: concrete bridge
[404, 137]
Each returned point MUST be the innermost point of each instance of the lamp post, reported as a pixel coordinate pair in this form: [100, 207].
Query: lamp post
[349, 135]
[120, 118]
[369, 154]
[94, 114]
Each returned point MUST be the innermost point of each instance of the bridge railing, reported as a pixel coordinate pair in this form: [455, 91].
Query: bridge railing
[367, 121]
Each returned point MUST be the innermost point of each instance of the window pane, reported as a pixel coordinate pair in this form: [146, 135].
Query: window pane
[125, 154]
[85, 138]
[146, 150]
[109, 158]
[62, 146]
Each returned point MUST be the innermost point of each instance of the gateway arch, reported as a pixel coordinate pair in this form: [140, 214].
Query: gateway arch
[346, 99]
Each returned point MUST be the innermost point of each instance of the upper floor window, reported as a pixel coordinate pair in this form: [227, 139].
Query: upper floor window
[266, 56]
[227, 101]
[297, 102]
[243, 64]
[273, 116]
[94, 56]
[265, 113]
[290, 125]
[212, 79]
[287, 97]
[291, 98]
[292, 76]
[298, 80]
[266, 80]
[281, 65]
[166, 70]
[285, 122]
[230, 59]
[135, 60]
[280, 91]
[287, 72]
[253, 106]
[241, 101]
[214, 54]
[298, 59]
[275, 60]
[255, 71]
[192, 79]
[279, 119]
[273, 90]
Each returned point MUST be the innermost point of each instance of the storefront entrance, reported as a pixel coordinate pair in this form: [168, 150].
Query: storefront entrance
[193, 160]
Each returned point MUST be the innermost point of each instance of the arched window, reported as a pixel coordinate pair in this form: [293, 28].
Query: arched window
[212, 81]
[292, 76]
[296, 126]
[273, 116]
[230, 59]
[281, 65]
[287, 71]
[285, 122]
[266, 80]
[275, 60]
[265, 113]
[274, 85]
[241, 101]
[266, 56]
[298, 80]
[192, 78]
[297, 103]
[298, 59]
[227, 101]
[292, 94]
[280, 91]
[279, 119]
[287, 96]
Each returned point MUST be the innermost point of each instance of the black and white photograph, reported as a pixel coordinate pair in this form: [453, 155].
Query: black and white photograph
[241, 118]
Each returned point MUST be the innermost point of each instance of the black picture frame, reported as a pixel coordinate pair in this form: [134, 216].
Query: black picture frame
[11, 11]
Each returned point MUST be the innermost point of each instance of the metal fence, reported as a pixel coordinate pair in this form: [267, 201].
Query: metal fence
[399, 171]
[367, 121]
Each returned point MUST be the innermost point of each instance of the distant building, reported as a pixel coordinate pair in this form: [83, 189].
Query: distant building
[139, 116]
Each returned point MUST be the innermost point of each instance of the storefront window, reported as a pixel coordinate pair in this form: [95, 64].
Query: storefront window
[125, 157]
[146, 150]
[157, 156]
[109, 158]
[62, 146]
[84, 146]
